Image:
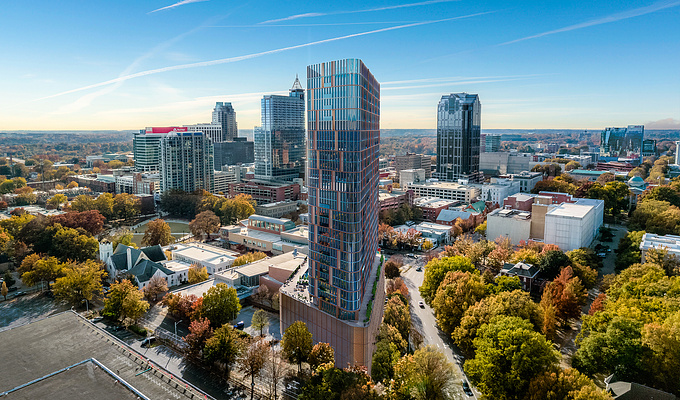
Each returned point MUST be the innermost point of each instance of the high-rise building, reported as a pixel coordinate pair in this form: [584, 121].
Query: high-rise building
[622, 142]
[414, 161]
[224, 115]
[343, 138]
[146, 147]
[677, 153]
[238, 151]
[458, 130]
[186, 161]
[280, 141]
[490, 143]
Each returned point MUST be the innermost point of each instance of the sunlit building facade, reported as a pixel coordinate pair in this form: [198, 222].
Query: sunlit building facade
[458, 138]
[224, 115]
[186, 161]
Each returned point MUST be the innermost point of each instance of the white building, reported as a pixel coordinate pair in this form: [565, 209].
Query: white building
[512, 224]
[658, 242]
[214, 259]
[187, 161]
[527, 180]
[497, 190]
[228, 174]
[435, 233]
[275, 235]
[445, 190]
[278, 209]
[407, 176]
[138, 183]
[574, 225]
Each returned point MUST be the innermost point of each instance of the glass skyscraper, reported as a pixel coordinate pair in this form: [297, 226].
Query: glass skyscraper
[186, 161]
[223, 114]
[622, 142]
[280, 141]
[458, 135]
[343, 135]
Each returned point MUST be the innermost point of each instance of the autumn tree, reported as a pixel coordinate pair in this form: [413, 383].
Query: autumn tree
[252, 360]
[57, 200]
[297, 343]
[248, 258]
[390, 334]
[568, 384]
[274, 368]
[551, 262]
[199, 332]
[457, 292]
[566, 295]
[80, 282]
[126, 206]
[92, 221]
[391, 270]
[436, 270]
[224, 347]
[220, 304]
[397, 314]
[157, 232]
[205, 223]
[125, 301]
[397, 286]
[8, 277]
[4, 290]
[260, 321]
[157, 285]
[424, 375]
[197, 273]
[322, 353]
[35, 270]
[508, 355]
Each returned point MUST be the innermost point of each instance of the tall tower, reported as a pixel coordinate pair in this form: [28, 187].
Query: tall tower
[187, 161]
[280, 141]
[343, 141]
[458, 135]
[224, 115]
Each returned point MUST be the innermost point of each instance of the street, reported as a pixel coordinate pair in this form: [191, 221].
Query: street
[424, 320]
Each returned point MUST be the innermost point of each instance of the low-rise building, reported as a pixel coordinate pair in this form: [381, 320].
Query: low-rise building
[445, 190]
[276, 210]
[268, 234]
[526, 273]
[527, 180]
[96, 182]
[449, 217]
[432, 206]
[214, 259]
[138, 183]
[435, 233]
[497, 189]
[407, 176]
[671, 243]
[392, 200]
[264, 192]
[512, 224]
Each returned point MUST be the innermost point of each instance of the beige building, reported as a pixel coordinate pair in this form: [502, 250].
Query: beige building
[274, 235]
[278, 209]
[445, 190]
[414, 161]
[411, 175]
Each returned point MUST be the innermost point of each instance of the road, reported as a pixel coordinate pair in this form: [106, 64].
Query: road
[425, 321]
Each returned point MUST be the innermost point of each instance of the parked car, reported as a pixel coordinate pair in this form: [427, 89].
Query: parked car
[421, 304]
[148, 341]
[98, 319]
[20, 294]
[240, 325]
[466, 388]
[411, 255]
[419, 269]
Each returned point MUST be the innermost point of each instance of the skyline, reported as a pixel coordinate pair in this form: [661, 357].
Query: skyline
[540, 65]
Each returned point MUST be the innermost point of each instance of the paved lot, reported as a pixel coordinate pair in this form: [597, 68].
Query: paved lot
[24, 309]
[425, 321]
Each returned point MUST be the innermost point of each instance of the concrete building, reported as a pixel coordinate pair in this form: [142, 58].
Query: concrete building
[268, 234]
[512, 224]
[99, 183]
[335, 294]
[138, 183]
[271, 272]
[407, 176]
[527, 180]
[497, 190]
[226, 176]
[392, 200]
[214, 259]
[502, 163]
[224, 115]
[280, 140]
[659, 242]
[677, 152]
[146, 147]
[445, 190]
[264, 192]
[432, 206]
[234, 152]
[186, 161]
[278, 209]
[459, 119]
[91, 160]
[574, 225]
[414, 161]
[438, 234]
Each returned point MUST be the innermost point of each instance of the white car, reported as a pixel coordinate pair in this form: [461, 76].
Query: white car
[421, 304]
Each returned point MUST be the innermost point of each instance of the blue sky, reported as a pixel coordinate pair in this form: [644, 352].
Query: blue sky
[535, 64]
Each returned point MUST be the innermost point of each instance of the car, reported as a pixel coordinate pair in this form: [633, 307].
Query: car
[419, 269]
[98, 319]
[148, 341]
[466, 388]
[240, 325]
[20, 294]
[421, 304]
[411, 255]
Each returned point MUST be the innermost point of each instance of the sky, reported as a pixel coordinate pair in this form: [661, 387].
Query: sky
[97, 65]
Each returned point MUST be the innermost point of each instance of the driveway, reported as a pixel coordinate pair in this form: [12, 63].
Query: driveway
[424, 320]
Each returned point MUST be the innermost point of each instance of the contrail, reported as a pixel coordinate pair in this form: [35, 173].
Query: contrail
[254, 55]
[604, 20]
[308, 25]
[179, 3]
[308, 15]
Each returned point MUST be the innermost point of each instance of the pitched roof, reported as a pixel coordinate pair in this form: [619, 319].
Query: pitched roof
[146, 269]
[479, 206]
[155, 253]
[451, 215]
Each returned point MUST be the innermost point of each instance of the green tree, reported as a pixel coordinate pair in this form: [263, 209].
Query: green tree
[663, 358]
[220, 304]
[508, 355]
[504, 284]
[436, 270]
[297, 343]
[123, 237]
[331, 383]
[104, 204]
[551, 262]
[41, 270]
[664, 193]
[322, 353]
[8, 277]
[57, 200]
[628, 252]
[71, 244]
[205, 223]
[125, 301]
[157, 232]
[259, 321]
[457, 292]
[390, 334]
[382, 365]
[80, 282]
[126, 206]
[425, 375]
[397, 314]
[83, 202]
[224, 346]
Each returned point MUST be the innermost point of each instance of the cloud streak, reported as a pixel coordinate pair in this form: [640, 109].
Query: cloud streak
[229, 60]
[604, 20]
[309, 15]
[179, 3]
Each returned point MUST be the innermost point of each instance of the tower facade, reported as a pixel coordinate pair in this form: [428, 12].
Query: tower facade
[224, 115]
[187, 161]
[280, 142]
[458, 136]
[343, 141]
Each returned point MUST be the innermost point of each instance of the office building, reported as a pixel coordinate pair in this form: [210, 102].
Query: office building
[458, 130]
[622, 142]
[339, 304]
[445, 190]
[490, 143]
[527, 180]
[414, 161]
[186, 161]
[677, 153]
[407, 176]
[234, 152]
[213, 131]
[146, 147]
[225, 116]
[280, 141]
[264, 192]
[649, 148]
[273, 235]
[503, 162]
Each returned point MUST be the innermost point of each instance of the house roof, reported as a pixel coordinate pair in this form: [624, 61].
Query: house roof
[452, 215]
[119, 258]
[146, 269]
[479, 206]
[521, 269]
[155, 253]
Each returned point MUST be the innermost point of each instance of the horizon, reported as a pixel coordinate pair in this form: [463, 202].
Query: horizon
[541, 65]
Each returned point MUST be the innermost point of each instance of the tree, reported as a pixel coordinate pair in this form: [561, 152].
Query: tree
[156, 286]
[274, 370]
[35, 269]
[248, 258]
[71, 244]
[57, 200]
[390, 334]
[322, 353]
[259, 321]
[551, 262]
[199, 333]
[123, 237]
[457, 292]
[252, 360]
[157, 232]
[566, 295]
[4, 290]
[663, 359]
[568, 384]
[126, 206]
[92, 221]
[197, 273]
[397, 314]
[72, 184]
[220, 304]
[515, 304]
[8, 277]
[508, 355]
[425, 375]
[628, 251]
[331, 383]
[436, 270]
[391, 270]
[504, 284]
[204, 223]
[382, 365]
[427, 245]
[80, 282]
[224, 347]
[104, 203]
[125, 301]
[605, 178]
[572, 165]
[83, 202]
[297, 343]
[397, 286]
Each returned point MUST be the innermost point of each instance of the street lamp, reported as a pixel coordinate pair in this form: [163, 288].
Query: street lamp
[176, 326]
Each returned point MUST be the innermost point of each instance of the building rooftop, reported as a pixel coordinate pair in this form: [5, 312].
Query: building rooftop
[206, 254]
[41, 351]
[514, 214]
[570, 210]
[271, 220]
[442, 185]
[286, 261]
[654, 241]
[587, 172]
[451, 215]
[522, 197]
[432, 202]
